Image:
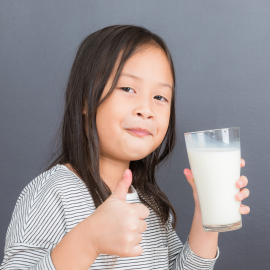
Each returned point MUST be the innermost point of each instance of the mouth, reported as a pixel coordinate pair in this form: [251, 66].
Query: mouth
[139, 132]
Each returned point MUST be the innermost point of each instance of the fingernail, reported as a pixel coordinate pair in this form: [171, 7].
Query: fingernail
[124, 173]
[240, 196]
[241, 183]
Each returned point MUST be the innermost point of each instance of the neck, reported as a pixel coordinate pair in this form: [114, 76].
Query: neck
[112, 170]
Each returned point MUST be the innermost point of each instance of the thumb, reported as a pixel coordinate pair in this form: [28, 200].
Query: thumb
[122, 186]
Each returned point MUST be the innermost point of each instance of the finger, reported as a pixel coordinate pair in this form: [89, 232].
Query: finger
[121, 189]
[136, 251]
[142, 226]
[142, 210]
[244, 209]
[242, 181]
[138, 239]
[190, 179]
[243, 162]
[244, 193]
[188, 174]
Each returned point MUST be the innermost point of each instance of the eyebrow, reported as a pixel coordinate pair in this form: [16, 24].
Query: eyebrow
[138, 78]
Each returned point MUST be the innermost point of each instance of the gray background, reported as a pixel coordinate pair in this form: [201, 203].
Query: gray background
[222, 59]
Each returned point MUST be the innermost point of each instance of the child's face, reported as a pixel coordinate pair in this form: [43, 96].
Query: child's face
[144, 104]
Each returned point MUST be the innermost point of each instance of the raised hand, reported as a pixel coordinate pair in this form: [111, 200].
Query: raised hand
[115, 227]
[241, 182]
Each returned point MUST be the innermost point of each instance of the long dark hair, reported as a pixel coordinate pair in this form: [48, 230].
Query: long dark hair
[92, 67]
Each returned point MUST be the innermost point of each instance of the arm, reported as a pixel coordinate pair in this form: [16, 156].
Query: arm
[202, 247]
[72, 252]
[182, 257]
[36, 237]
[202, 243]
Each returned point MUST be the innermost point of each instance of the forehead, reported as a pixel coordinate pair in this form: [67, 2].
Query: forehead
[150, 62]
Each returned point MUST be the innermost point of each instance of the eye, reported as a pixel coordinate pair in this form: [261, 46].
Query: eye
[126, 89]
[162, 97]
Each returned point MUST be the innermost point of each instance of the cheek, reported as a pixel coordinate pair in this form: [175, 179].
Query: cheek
[162, 125]
[105, 122]
[108, 121]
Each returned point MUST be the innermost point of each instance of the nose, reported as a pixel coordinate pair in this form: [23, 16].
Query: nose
[144, 110]
[145, 114]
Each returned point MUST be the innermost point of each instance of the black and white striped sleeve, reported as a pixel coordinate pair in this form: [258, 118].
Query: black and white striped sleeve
[181, 257]
[36, 226]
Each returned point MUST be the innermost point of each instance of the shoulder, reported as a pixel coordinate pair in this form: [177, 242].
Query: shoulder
[58, 180]
[57, 187]
[51, 188]
[55, 198]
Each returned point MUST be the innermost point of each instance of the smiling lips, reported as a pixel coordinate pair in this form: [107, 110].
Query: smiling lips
[140, 132]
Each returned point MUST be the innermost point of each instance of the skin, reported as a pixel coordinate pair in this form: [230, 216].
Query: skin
[143, 104]
[147, 103]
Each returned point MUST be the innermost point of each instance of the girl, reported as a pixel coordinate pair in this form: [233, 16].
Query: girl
[118, 126]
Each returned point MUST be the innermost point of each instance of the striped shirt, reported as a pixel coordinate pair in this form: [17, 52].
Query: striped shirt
[56, 201]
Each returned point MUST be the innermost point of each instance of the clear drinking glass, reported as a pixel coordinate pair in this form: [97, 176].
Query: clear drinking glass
[215, 158]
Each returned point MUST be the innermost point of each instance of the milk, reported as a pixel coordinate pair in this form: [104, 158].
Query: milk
[215, 172]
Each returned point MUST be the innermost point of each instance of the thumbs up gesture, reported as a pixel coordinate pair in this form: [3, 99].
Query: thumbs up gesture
[115, 227]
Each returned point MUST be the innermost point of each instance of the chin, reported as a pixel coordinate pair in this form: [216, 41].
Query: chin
[139, 155]
[136, 151]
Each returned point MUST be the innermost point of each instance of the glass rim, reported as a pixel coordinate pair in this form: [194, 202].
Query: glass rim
[202, 131]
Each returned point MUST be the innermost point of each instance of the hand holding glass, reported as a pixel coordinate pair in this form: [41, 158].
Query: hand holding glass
[214, 157]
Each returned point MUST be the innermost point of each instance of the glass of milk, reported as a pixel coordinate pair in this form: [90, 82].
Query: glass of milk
[215, 158]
